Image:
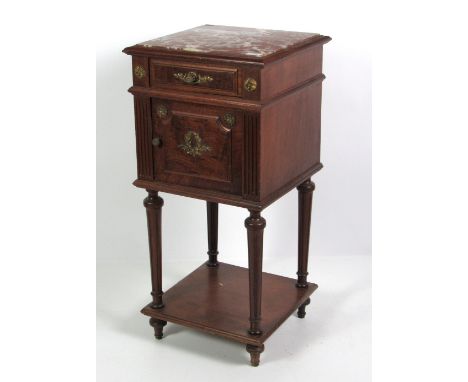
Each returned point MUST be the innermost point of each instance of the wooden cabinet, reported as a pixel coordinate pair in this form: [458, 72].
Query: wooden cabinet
[229, 115]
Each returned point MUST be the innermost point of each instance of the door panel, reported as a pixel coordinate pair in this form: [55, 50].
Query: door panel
[199, 146]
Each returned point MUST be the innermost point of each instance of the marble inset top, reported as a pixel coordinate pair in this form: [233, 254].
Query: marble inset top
[229, 41]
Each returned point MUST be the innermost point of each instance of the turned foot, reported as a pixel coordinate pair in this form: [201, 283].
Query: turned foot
[255, 353]
[158, 327]
[301, 311]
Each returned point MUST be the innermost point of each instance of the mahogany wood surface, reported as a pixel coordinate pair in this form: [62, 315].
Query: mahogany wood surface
[158, 326]
[255, 225]
[290, 71]
[246, 104]
[216, 300]
[301, 311]
[219, 167]
[144, 135]
[219, 197]
[290, 138]
[223, 80]
[212, 228]
[229, 115]
[306, 190]
[255, 352]
[153, 204]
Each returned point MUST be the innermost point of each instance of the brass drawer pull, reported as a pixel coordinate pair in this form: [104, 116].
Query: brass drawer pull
[193, 78]
[193, 145]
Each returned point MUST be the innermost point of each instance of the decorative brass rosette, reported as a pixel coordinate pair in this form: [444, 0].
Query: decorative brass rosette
[228, 120]
[161, 110]
[139, 71]
[250, 84]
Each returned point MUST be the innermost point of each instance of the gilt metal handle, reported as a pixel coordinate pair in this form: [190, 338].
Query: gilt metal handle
[193, 145]
[193, 78]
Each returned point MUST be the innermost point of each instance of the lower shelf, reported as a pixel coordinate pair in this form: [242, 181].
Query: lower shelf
[216, 300]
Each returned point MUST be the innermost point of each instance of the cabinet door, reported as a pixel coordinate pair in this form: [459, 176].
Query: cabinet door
[197, 145]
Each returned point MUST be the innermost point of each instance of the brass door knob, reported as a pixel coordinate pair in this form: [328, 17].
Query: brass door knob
[157, 142]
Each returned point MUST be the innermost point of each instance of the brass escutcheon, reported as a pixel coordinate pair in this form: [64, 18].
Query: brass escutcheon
[139, 71]
[193, 145]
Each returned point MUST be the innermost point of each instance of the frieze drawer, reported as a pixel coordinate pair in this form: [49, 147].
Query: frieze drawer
[194, 78]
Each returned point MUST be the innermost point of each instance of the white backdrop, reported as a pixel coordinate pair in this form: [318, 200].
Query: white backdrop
[339, 314]
[56, 260]
[341, 217]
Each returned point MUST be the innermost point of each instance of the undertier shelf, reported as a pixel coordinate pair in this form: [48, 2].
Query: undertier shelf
[216, 300]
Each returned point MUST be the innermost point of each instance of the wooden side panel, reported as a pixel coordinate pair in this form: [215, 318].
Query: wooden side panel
[143, 133]
[250, 178]
[291, 71]
[290, 144]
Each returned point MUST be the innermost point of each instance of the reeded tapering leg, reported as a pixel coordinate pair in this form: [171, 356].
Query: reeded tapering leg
[255, 353]
[153, 204]
[305, 207]
[212, 220]
[255, 225]
[301, 311]
[158, 326]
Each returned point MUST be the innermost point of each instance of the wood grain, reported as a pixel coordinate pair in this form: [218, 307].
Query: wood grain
[290, 71]
[141, 61]
[219, 167]
[305, 192]
[153, 204]
[253, 145]
[223, 79]
[212, 228]
[290, 138]
[250, 171]
[222, 197]
[255, 225]
[143, 135]
[216, 300]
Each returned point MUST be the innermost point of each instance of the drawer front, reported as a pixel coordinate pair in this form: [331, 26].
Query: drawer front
[193, 77]
[198, 146]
